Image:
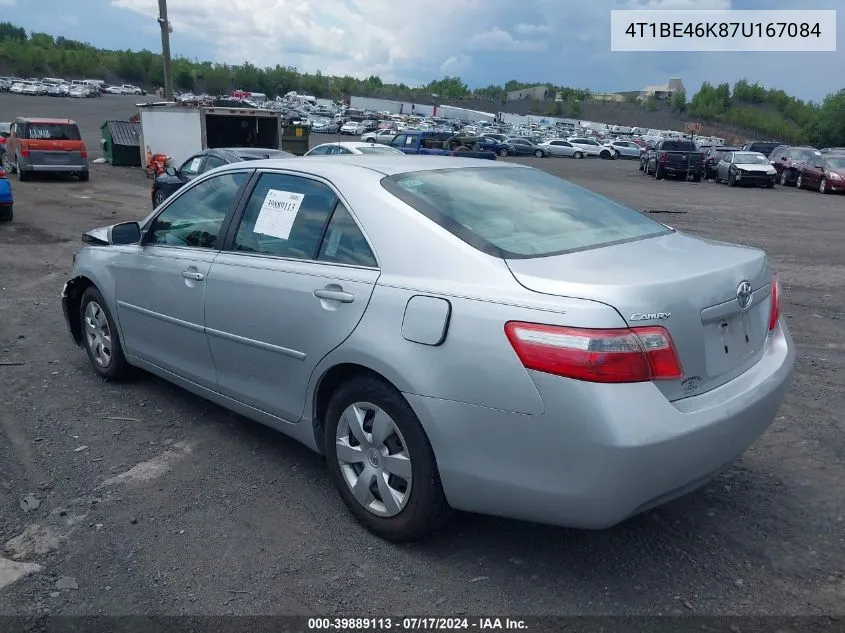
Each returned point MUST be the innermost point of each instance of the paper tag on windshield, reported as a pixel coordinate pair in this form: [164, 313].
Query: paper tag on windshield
[277, 214]
[195, 164]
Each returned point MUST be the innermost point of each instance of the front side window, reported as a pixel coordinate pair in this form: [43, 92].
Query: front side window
[322, 150]
[514, 212]
[194, 218]
[285, 217]
[211, 162]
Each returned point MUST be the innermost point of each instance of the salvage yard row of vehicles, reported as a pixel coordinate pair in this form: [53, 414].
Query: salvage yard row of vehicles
[799, 166]
[53, 87]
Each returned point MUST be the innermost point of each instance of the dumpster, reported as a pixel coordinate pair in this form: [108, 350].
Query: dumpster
[121, 143]
[295, 138]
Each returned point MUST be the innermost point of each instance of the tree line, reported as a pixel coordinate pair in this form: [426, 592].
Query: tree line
[769, 112]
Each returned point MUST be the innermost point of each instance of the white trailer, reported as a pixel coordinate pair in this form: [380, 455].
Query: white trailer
[179, 132]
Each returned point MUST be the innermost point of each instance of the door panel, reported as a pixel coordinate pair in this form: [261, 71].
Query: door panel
[267, 330]
[272, 310]
[160, 285]
[161, 311]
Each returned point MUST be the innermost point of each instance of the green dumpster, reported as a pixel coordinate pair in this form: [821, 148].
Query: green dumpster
[121, 143]
[295, 138]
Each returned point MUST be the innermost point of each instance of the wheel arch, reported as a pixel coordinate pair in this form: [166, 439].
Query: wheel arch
[72, 297]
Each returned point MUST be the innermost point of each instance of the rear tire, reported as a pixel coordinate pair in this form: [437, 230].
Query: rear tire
[406, 518]
[100, 337]
[503, 152]
[578, 155]
[7, 214]
[22, 175]
[84, 176]
[539, 153]
[658, 173]
[799, 182]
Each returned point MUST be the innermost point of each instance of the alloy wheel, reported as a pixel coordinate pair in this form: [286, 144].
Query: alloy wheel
[823, 185]
[374, 459]
[98, 334]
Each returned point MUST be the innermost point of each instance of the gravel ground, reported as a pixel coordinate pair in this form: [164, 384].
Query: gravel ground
[150, 500]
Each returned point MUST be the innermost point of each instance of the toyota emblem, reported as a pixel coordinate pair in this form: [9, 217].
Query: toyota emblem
[744, 295]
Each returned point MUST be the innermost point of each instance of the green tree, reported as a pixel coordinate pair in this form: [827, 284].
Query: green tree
[679, 101]
[651, 103]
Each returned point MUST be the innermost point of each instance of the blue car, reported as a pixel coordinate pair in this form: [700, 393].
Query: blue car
[5, 198]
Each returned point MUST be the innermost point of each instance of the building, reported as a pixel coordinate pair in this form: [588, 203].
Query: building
[664, 91]
[537, 93]
[607, 96]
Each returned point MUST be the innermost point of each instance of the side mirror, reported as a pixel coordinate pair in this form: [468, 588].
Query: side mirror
[170, 171]
[125, 233]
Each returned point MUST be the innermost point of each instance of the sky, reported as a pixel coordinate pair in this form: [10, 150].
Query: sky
[564, 42]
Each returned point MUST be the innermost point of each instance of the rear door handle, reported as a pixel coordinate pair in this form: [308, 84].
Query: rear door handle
[335, 295]
[189, 274]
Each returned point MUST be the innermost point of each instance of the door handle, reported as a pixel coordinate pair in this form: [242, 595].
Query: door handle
[188, 274]
[335, 295]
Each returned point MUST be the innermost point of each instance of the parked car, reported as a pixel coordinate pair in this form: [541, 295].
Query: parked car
[625, 363]
[626, 149]
[353, 128]
[324, 126]
[352, 147]
[379, 136]
[562, 147]
[525, 147]
[764, 147]
[5, 130]
[712, 156]
[129, 89]
[6, 198]
[745, 168]
[826, 174]
[786, 160]
[832, 150]
[173, 179]
[604, 151]
[45, 146]
[674, 157]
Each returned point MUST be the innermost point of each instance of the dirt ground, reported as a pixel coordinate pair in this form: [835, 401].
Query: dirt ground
[150, 500]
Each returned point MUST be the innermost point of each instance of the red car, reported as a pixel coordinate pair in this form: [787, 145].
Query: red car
[827, 174]
[787, 160]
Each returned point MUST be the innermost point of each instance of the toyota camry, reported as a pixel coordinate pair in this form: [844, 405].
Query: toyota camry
[450, 335]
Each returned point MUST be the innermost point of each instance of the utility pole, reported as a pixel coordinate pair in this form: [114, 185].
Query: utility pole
[165, 49]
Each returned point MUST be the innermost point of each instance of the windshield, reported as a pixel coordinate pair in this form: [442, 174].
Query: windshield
[52, 132]
[751, 159]
[516, 212]
[379, 150]
[836, 164]
[803, 154]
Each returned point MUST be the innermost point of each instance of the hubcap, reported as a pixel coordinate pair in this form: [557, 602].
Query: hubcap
[783, 177]
[98, 334]
[374, 459]
[799, 182]
[822, 185]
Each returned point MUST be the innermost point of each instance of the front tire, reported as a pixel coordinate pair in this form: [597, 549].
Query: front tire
[823, 185]
[799, 182]
[539, 153]
[100, 337]
[382, 462]
[578, 155]
[731, 180]
[503, 152]
[7, 214]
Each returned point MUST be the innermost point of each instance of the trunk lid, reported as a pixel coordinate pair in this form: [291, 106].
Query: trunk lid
[687, 285]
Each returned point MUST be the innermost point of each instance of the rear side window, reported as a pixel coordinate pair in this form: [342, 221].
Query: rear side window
[515, 212]
[51, 132]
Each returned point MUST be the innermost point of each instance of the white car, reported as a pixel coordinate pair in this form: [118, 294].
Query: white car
[379, 136]
[604, 151]
[562, 147]
[354, 128]
[115, 90]
[352, 147]
[129, 89]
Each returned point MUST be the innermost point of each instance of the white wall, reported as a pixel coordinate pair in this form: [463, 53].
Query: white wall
[462, 114]
[394, 107]
[176, 133]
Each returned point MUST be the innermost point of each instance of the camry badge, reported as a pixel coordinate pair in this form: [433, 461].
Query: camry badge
[744, 295]
[649, 316]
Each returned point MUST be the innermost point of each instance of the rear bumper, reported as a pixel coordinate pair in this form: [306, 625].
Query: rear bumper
[600, 453]
[54, 168]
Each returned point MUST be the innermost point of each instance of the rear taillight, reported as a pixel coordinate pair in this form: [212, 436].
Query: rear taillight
[774, 313]
[24, 151]
[84, 152]
[2, 173]
[663, 157]
[611, 356]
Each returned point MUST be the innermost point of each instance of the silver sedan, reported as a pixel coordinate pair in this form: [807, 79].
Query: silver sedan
[450, 334]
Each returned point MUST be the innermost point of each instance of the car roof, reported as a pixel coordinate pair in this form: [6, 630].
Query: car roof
[45, 121]
[384, 164]
[250, 151]
[352, 144]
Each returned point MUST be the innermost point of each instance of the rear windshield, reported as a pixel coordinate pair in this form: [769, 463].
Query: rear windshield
[804, 154]
[678, 146]
[379, 150]
[516, 212]
[52, 132]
